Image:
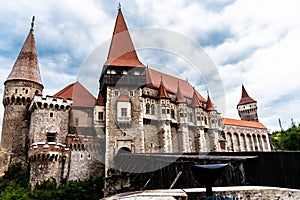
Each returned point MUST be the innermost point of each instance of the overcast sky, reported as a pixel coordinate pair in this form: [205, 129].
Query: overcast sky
[251, 42]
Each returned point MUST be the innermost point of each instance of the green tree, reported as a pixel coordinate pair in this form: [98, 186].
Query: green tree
[15, 185]
[288, 140]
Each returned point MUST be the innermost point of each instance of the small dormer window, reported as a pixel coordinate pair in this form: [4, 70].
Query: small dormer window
[117, 93]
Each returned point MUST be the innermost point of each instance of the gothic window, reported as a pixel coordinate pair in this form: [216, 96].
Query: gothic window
[181, 114]
[100, 115]
[190, 117]
[147, 108]
[163, 111]
[168, 111]
[124, 112]
[16, 90]
[185, 114]
[152, 109]
[51, 114]
[205, 120]
[173, 113]
[198, 118]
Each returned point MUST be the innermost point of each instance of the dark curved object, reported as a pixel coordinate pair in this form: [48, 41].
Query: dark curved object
[208, 174]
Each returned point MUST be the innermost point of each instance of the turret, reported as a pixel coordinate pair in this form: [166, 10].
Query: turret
[247, 107]
[23, 82]
[48, 153]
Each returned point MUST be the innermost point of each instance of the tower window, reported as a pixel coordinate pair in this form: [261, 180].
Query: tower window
[147, 108]
[100, 115]
[173, 113]
[51, 137]
[152, 109]
[131, 93]
[51, 114]
[124, 112]
[16, 90]
[26, 91]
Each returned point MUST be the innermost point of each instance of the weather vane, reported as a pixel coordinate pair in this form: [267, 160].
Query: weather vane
[119, 7]
[32, 22]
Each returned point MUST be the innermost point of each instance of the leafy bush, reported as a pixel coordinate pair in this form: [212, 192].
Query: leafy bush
[15, 185]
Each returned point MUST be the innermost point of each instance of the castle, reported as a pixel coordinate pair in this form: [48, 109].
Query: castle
[72, 135]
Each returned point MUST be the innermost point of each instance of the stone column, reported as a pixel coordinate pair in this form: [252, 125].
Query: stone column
[253, 142]
[242, 142]
[167, 137]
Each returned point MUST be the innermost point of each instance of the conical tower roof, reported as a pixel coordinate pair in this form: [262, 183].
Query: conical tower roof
[245, 97]
[179, 96]
[196, 100]
[26, 66]
[122, 51]
[209, 104]
[162, 91]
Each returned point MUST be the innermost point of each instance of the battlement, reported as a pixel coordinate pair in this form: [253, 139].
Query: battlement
[16, 100]
[47, 151]
[48, 102]
[74, 142]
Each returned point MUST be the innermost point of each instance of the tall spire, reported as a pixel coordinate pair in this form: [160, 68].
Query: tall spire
[196, 101]
[26, 66]
[122, 51]
[245, 97]
[162, 91]
[179, 96]
[209, 104]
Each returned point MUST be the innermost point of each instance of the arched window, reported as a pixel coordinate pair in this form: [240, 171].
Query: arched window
[172, 113]
[153, 109]
[147, 108]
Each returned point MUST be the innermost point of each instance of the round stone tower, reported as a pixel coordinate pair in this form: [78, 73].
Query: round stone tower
[48, 154]
[23, 82]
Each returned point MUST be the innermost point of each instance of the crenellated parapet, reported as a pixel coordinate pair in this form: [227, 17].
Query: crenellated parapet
[50, 151]
[49, 102]
[75, 143]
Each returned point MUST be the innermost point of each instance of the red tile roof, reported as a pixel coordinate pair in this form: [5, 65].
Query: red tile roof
[162, 92]
[26, 66]
[121, 51]
[79, 94]
[245, 97]
[100, 99]
[123, 98]
[153, 78]
[236, 122]
[209, 105]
